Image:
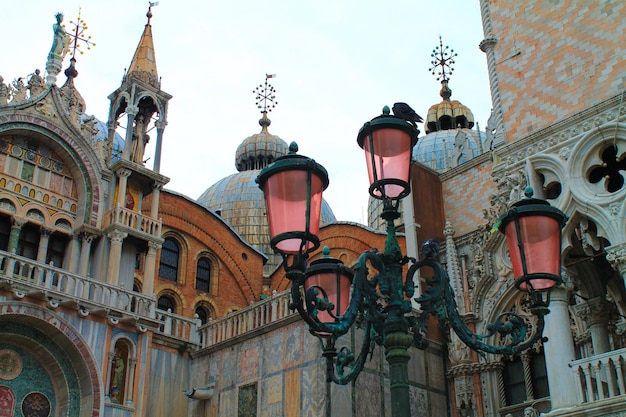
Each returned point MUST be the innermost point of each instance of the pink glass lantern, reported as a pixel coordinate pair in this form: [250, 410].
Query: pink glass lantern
[388, 143]
[327, 284]
[293, 187]
[533, 233]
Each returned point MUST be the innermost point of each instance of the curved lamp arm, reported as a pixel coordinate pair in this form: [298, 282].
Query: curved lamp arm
[438, 301]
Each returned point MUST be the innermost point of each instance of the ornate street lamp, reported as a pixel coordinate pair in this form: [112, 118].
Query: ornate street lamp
[293, 188]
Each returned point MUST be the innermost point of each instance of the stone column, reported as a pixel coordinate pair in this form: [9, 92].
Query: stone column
[131, 112]
[85, 251]
[14, 237]
[74, 249]
[528, 379]
[123, 175]
[559, 351]
[44, 238]
[154, 207]
[115, 254]
[160, 125]
[149, 269]
[597, 313]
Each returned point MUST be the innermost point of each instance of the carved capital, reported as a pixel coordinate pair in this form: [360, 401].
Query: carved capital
[153, 246]
[616, 255]
[117, 236]
[87, 238]
[132, 111]
[596, 311]
[122, 172]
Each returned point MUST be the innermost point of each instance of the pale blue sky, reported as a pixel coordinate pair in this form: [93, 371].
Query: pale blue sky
[337, 64]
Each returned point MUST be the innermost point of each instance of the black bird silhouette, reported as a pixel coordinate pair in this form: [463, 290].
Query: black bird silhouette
[404, 111]
[430, 249]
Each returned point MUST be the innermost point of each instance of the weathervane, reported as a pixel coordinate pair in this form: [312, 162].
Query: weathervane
[78, 35]
[443, 57]
[265, 98]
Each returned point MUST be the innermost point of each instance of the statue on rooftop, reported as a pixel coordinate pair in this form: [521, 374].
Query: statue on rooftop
[60, 42]
[19, 90]
[35, 83]
[4, 91]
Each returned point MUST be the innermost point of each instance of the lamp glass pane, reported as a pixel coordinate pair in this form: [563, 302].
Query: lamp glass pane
[337, 288]
[392, 158]
[541, 236]
[286, 198]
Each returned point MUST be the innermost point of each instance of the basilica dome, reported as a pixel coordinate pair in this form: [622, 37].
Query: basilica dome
[238, 199]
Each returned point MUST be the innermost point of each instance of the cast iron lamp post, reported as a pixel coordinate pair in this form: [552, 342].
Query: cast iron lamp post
[331, 297]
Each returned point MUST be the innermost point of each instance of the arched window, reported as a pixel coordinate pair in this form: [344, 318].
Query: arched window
[56, 249]
[168, 267]
[532, 363]
[5, 232]
[166, 303]
[203, 275]
[202, 314]
[28, 244]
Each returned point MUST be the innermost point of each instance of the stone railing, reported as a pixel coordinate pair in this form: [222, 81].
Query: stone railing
[600, 376]
[179, 327]
[25, 276]
[246, 320]
[133, 220]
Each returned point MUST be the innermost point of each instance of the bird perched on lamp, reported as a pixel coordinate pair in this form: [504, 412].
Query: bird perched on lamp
[430, 249]
[404, 111]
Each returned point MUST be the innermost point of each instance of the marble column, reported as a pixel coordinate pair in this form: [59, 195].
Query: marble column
[131, 112]
[42, 250]
[160, 126]
[149, 269]
[85, 251]
[559, 351]
[597, 313]
[14, 237]
[123, 175]
[154, 207]
[115, 255]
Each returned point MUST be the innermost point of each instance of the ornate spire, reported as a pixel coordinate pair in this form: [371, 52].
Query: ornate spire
[265, 100]
[143, 65]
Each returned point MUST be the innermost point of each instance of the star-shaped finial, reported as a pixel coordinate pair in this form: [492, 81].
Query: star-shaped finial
[443, 59]
[77, 36]
[265, 98]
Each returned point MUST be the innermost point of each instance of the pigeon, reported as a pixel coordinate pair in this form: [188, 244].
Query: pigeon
[404, 111]
[430, 249]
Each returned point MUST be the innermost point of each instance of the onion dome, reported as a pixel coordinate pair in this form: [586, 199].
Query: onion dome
[260, 150]
[238, 199]
[448, 114]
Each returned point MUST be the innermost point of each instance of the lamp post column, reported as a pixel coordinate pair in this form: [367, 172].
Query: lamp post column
[396, 327]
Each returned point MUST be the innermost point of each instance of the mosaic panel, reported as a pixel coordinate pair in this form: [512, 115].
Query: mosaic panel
[247, 401]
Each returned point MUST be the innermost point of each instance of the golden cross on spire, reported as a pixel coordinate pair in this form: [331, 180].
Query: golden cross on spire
[443, 57]
[77, 36]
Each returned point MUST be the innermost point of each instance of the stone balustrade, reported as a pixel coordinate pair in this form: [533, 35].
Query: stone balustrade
[600, 377]
[26, 277]
[246, 320]
[133, 221]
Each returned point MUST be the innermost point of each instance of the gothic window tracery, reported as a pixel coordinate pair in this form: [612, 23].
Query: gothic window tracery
[609, 169]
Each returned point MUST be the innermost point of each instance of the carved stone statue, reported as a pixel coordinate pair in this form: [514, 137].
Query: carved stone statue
[35, 83]
[19, 90]
[139, 141]
[4, 91]
[530, 412]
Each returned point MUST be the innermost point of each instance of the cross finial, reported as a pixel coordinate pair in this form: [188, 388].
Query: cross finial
[265, 98]
[77, 36]
[443, 59]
